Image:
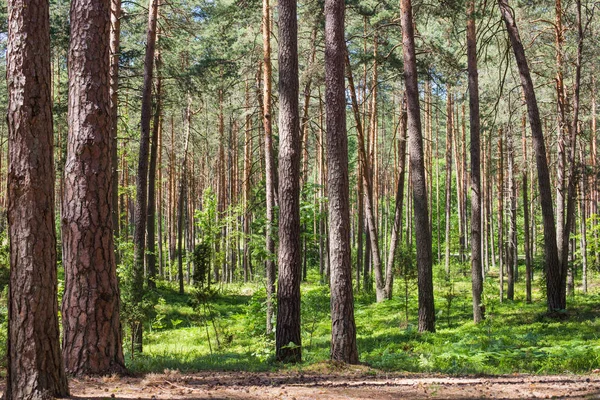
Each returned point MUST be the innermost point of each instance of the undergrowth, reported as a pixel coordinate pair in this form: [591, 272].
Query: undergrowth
[228, 332]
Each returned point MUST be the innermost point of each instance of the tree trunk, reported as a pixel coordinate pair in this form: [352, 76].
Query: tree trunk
[415, 146]
[141, 197]
[151, 207]
[182, 189]
[526, 223]
[501, 252]
[554, 278]
[511, 256]
[343, 328]
[397, 227]
[90, 312]
[287, 336]
[449, 128]
[34, 366]
[474, 123]
[269, 162]
[115, 38]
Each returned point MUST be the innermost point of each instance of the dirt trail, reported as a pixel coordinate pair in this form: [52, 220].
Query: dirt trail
[344, 385]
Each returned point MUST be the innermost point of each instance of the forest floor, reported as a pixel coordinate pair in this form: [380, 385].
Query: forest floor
[346, 384]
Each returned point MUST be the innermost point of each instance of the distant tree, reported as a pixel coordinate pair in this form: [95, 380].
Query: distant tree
[34, 367]
[90, 312]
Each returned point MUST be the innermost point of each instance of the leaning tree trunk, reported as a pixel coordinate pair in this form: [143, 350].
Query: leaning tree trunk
[476, 272]
[287, 336]
[34, 365]
[554, 279]
[415, 146]
[343, 328]
[90, 312]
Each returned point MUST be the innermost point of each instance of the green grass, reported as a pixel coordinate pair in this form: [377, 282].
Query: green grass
[515, 337]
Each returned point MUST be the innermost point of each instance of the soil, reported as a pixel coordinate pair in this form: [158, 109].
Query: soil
[341, 384]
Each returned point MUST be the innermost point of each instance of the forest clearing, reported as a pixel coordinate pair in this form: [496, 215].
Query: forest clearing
[299, 199]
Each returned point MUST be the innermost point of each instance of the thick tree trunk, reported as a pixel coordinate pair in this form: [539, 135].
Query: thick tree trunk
[554, 278]
[115, 38]
[34, 365]
[90, 312]
[269, 162]
[343, 328]
[415, 146]
[474, 123]
[287, 336]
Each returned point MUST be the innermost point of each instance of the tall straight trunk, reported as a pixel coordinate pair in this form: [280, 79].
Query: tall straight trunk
[415, 146]
[554, 276]
[247, 187]
[526, 222]
[583, 233]
[572, 155]
[368, 188]
[397, 227]
[511, 258]
[35, 369]
[139, 237]
[90, 312]
[115, 39]
[449, 129]
[343, 328]
[287, 335]
[182, 192]
[269, 162]
[151, 206]
[474, 123]
[501, 252]
[159, 206]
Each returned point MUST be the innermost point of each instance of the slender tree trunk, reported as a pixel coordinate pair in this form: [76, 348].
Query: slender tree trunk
[343, 328]
[552, 266]
[35, 368]
[182, 192]
[269, 162]
[397, 227]
[415, 145]
[501, 252]
[526, 222]
[90, 312]
[247, 187]
[512, 262]
[139, 239]
[474, 123]
[151, 206]
[449, 128]
[290, 148]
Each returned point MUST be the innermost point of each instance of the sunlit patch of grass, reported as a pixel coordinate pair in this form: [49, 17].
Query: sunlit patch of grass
[515, 336]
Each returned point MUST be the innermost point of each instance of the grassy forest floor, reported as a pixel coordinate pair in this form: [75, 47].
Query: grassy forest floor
[212, 345]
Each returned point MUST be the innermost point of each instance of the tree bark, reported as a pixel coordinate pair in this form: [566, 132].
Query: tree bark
[151, 206]
[474, 123]
[415, 146]
[397, 227]
[115, 39]
[343, 328]
[90, 312]
[269, 162]
[288, 340]
[34, 365]
[449, 129]
[554, 278]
